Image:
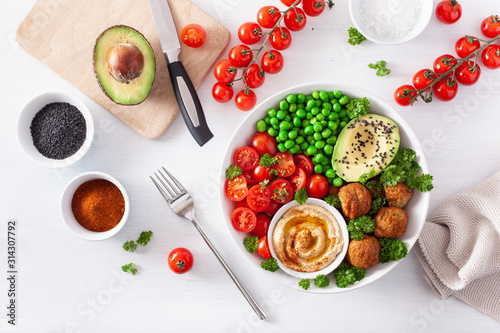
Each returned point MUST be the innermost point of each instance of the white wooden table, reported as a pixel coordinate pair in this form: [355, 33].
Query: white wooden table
[66, 284]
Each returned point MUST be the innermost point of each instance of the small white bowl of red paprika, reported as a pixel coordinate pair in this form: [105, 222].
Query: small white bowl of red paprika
[95, 206]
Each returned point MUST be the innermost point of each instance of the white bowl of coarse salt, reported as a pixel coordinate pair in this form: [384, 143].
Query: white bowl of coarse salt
[390, 21]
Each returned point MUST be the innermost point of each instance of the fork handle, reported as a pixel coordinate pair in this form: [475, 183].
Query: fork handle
[240, 286]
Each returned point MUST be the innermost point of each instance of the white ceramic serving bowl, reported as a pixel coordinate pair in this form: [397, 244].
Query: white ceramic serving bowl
[416, 208]
[67, 212]
[343, 228]
[26, 116]
[426, 10]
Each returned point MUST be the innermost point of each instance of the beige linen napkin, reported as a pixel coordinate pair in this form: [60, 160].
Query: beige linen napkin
[460, 247]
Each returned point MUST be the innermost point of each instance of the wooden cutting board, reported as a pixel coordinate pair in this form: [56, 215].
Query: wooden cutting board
[61, 34]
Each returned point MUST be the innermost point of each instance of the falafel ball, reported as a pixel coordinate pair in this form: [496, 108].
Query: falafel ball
[363, 253]
[390, 222]
[355, 200]
[398, 195]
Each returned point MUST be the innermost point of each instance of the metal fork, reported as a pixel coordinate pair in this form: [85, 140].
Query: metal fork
[182, 204]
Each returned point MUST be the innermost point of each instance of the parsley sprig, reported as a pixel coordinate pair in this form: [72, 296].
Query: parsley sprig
[392, 250]
[355, 37]
[358, 107]
[129, 268]
[233, 171]
[270, 265]
[301, 196]
[251, 243]
[321, 281]
[359, 226]
[381, 68]
[345, 275]
[144, 239]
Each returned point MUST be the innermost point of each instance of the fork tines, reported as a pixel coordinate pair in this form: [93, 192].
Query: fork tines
[174, 192]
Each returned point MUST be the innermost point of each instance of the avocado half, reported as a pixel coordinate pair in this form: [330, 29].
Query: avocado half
[367, 143]
[124, 65]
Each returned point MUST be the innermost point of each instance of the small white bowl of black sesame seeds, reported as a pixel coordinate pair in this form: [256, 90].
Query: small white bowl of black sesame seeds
[55, 129]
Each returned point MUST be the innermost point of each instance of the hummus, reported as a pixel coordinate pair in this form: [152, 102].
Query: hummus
[307, 238]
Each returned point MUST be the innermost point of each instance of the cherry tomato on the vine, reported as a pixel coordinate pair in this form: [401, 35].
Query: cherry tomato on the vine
[423, 78]
[288, 3]
[281, 39]
[250, 33]
[446, 89]
[317, 186]
[193, 35]
[313, 7]
[254, 76]
[404, 94]
[490, 27]
[263, 248]
[268, 16]
[468, 74]
[466, 45]
[491, 56]
[180, 260]
[448, 11]
[264, 143]
[222, 92]
[272, 62]
[245, 100]
[224, 72]
[295, 19]
[240, 56]
[444, 63]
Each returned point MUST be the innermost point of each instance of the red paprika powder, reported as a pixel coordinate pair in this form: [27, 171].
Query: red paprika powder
[98, 205]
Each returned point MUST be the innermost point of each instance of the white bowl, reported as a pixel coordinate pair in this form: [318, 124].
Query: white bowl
[26, 116]
[67, 212]
[343, 228]
[426, 10]
[416, 208]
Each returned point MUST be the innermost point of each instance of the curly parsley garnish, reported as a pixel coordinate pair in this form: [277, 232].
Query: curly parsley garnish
[333, 200]
[377, 204]
[345, 275]
[267, 160]
[130, 246]
[392, 250]
[129, 268]
[355, 37]
[270, 265]
[321, 281]
[381, 68]
[251, 243]
[358, 107]
[359, 226]
[301, 196]
[305, 283]
[233, 171]
[145, 238]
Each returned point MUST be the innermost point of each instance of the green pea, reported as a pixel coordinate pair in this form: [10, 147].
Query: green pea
[344, 100]
[308, 130]
[324, 123]
[271, 112]
[267, 119]
[281, 147]
[333, 101]
[331, 140]
[289, 144]
[272, 131]
[337, 94]
[301, 113]
[318, 103]
[274, 121]
[318, 127]
[311, 150]
[346, 119]
[325, 112]
[293, 107]
[305, 123]
[276, 126]
[342, 124]
[284, 105]
[315, 110]
[285, 125]
[319, 144]
[328, 149]
[333, 116]
[296, 122]
[301, 106]
[299, 139]
[315, 94]
[304, 145]
[326, 162]
[288, 118]
[330, 173]
[342, 114]
[282, 135]
[318, 168]
[318, 158]
[323, 95]
[314, 121]
[309, 116]
[326, 133]
[330, 95]
[317, 136]
[310, 104]
[327, 105]
[308, 98]
[292, 135]
[291, 98]
[337, 107]
[295, 149]
[337, 182]
[261, 126]
[320, 117]
[280, 114]
[301, 98]
[310, 139]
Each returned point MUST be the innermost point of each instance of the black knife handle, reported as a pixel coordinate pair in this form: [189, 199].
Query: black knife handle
[187, 101]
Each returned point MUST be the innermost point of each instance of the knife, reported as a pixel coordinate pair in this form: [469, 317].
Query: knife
[184, 90]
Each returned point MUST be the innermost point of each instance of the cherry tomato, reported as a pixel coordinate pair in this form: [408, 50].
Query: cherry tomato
[254, 76]
[468, 74]
[224, 72]
[262, 173]
[281, 191]
[285, 166]
[445, 90]
[295, 20]
[303, 162]
[448, 11]
[222, 92]
[466, 45]
[273, 208]
[268, 16]
[243, 219]
[313, 7]
[288, 3]
[242, 203]
[236, 189]
[240, 56]
[249, 177]
[272, 62]
[281, 39]
[422, 79]
[263, 222]
[404, 94]
[263, 248]
[491, 56]
[246, 158]
[250, 33]
[317, 186]
[490, 27]
[193, 35]
[259, 198]
[264, 143]
[298, 179]
[245, 100]
[444, 63]
[180, 260]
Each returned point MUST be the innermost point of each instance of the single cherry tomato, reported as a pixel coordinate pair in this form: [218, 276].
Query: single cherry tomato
[180, 260]
[261, 174]
[264, 143]
[268, 16]
[317, 186]
[242, 203]
[444, 63]
[404, 94]
[281, 191]
[446, 89]
[222, 92]
[490, 27]
[285, 166]
[298, 179]
[273, 208]
[466, 45]
[224, 72]
[263, 248]
[249, 177]
[468, 73]
[236, 189]
[448, 11]
[240, 56]
[423, 78]
[250, 33]
[193, 35]
[259, 198]
[491, 56]
[272, 62]
[313, 7]
[295, 20]
[263, 222]
[243, 219]
[281, 39]
[254, 76]
[246, 158]
[245, 100]
[288, 3]
[303, 162]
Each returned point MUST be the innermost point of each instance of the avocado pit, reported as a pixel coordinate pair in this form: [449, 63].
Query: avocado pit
[125, 62]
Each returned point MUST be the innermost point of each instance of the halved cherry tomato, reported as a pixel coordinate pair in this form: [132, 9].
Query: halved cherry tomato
[281, 39]
[245, 100]
[313, 7]
[468, 74]
[261, 174]
[264, 143]
[317, 186]
[295, 20]
[250, 33]
[298, 179]
[268, 16]
[448, 11]
[254, 76]
[446, 89]
[193, 35]
[491, 56]
[180, 260]
[222, 92]
[466, 45]
[224, 72]
[273, 208]
[236, 189]
[243, 219]
[422, 79]
[259, 198]
[249, 178]
[444, 63]
[263, 222]
[272, 62]
[288, 3]
[404, 94]
[263, 248]
[304, 162]
[281, 191]
[246, 158]
[240, 56]
[285, 166]
[490, 27]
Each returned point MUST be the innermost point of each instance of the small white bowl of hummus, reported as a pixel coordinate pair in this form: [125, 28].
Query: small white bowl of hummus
[308, 239]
